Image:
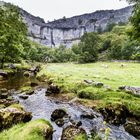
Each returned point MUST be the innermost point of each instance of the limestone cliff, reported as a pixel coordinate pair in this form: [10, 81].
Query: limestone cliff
[68, 31]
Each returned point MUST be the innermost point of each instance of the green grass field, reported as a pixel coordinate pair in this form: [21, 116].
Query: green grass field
[70, 77]
[114, 75]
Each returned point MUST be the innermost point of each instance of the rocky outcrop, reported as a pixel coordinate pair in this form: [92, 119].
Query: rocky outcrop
[68, 31]
[13, 115]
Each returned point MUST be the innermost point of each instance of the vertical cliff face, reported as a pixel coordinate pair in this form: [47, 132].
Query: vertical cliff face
[69, 31]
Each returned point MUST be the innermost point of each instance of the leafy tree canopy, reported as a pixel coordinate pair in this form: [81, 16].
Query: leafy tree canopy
[13, 34]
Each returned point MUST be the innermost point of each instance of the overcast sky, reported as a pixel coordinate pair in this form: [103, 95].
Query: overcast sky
[55, 9]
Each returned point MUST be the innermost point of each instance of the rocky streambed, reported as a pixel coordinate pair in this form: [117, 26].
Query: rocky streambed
[76, 115]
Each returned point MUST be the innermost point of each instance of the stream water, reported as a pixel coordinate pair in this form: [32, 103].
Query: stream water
[42, 106]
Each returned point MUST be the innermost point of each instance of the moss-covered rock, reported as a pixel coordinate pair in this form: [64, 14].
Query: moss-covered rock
[12, 115]
[115, 114]
[132, 126]
[9, 101]
[53, 89]
[73, 133]
[33, 130]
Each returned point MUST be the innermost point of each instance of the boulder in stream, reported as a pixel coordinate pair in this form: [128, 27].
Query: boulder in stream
[73, 133]
[58, 114]
[23, 96]
[87, 116]
[53, 89]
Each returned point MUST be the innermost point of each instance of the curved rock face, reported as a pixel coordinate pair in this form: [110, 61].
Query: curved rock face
[68, 31]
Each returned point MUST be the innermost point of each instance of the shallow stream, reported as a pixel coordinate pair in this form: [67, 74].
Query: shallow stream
[42, 106]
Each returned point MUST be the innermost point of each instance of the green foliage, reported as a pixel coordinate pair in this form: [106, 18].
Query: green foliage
[116, 46]
[135, 20]
[81, 137]
[87, 50]
[130, 50]
[60, 54]
[36, 52]
[12, 34]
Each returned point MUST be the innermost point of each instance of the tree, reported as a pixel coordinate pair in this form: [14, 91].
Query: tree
[115, 51]
[135, 19]
[89, 48]
[13, 33]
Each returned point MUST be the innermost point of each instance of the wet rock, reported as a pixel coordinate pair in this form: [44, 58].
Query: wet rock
[60, 122]
[78, 123]
[58, 114]
[33, 84]
[72, 132]
[87, 116]
[12, 115]
[115, 114]
[23, 96]
[53, 89]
